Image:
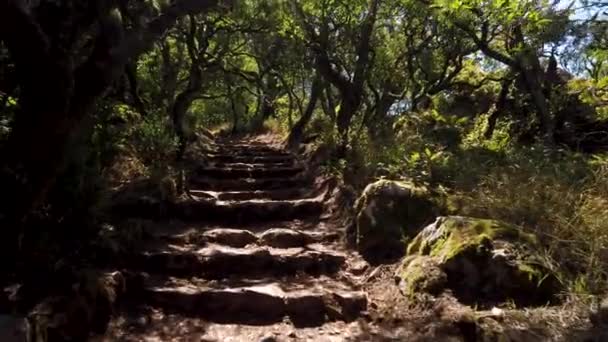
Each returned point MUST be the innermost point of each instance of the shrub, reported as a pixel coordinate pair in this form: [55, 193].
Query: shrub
[560, 195]
[154, 142]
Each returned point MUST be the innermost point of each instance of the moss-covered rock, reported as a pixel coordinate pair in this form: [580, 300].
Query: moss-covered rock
[486, 262]
[422, 274]
[389, 211]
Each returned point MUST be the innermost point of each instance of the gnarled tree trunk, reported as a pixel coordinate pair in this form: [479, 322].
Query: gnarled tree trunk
[138, 103]
[498, 108]
[295, 136]
[181, 105]
[351, 91]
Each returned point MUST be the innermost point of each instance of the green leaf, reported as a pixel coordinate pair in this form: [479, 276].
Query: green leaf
[428, 152]
[415, 157]
[462, 120]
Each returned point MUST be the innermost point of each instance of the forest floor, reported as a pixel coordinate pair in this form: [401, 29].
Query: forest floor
[256, 255]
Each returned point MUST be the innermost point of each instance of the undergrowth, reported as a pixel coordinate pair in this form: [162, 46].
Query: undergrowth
[559, 194]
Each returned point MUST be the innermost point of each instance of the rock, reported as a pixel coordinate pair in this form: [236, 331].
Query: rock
[306, 310]
[599, 314]
[422, 274]
[269, 339]
[358, 267]
[484, 262]
[351, 304]
[87, 309]
[389, 212]
[231, 237]
[13, 329]
[284, 238]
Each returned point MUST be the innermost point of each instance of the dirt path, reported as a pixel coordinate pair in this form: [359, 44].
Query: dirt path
[250, 258]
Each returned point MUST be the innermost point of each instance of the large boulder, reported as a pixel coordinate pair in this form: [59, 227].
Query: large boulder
[483, 262]
[389, 212]
[85, 309]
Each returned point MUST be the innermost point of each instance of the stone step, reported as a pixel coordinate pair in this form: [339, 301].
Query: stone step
[244, 166]
[260, 172]
[221, 262]
[250, 152]
[247, 147]
[274, 195]
[212, 211]
[246, 184]
[246, 211]
[305, 305]
[239, 238]
[250, 159]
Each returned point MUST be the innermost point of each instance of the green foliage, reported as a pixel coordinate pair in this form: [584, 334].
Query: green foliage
[154, 142]
[561, 197]
[592, 92]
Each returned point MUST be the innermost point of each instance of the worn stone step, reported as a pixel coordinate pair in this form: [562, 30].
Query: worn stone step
[265, 303]
[244, 166]
[246, 211]
[275, 195]
[250, 152]
[221, 262]
[239, 238]
[260, 172]
[250, 159]
[213, 211]
[246, 184]
[247, 147]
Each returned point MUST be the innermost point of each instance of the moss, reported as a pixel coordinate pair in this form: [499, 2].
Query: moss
[389, 212]
[486, 260]
[537, 274]
[532, 272]
[453, 235]
[421, 274]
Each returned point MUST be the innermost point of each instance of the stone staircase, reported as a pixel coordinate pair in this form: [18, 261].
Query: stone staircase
[250, 249]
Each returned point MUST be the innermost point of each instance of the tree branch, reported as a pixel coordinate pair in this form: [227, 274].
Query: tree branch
[137, 42]
[483, 45]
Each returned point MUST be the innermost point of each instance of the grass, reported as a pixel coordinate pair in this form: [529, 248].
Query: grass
[566, 207]
[562, 196]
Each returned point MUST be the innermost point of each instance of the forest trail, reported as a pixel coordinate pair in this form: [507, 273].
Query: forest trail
[253, 259]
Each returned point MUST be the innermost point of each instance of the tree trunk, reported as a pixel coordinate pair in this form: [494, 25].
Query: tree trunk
[498, 109]
[57, 97]
[532, 73]
[180, 109]
[295, 136]
[138, 103]
[327, 103]
[349, 105]
[377, 120]
[168, 78]
[235, 115]
[290, 110]
[183, 101]
[351, 92]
